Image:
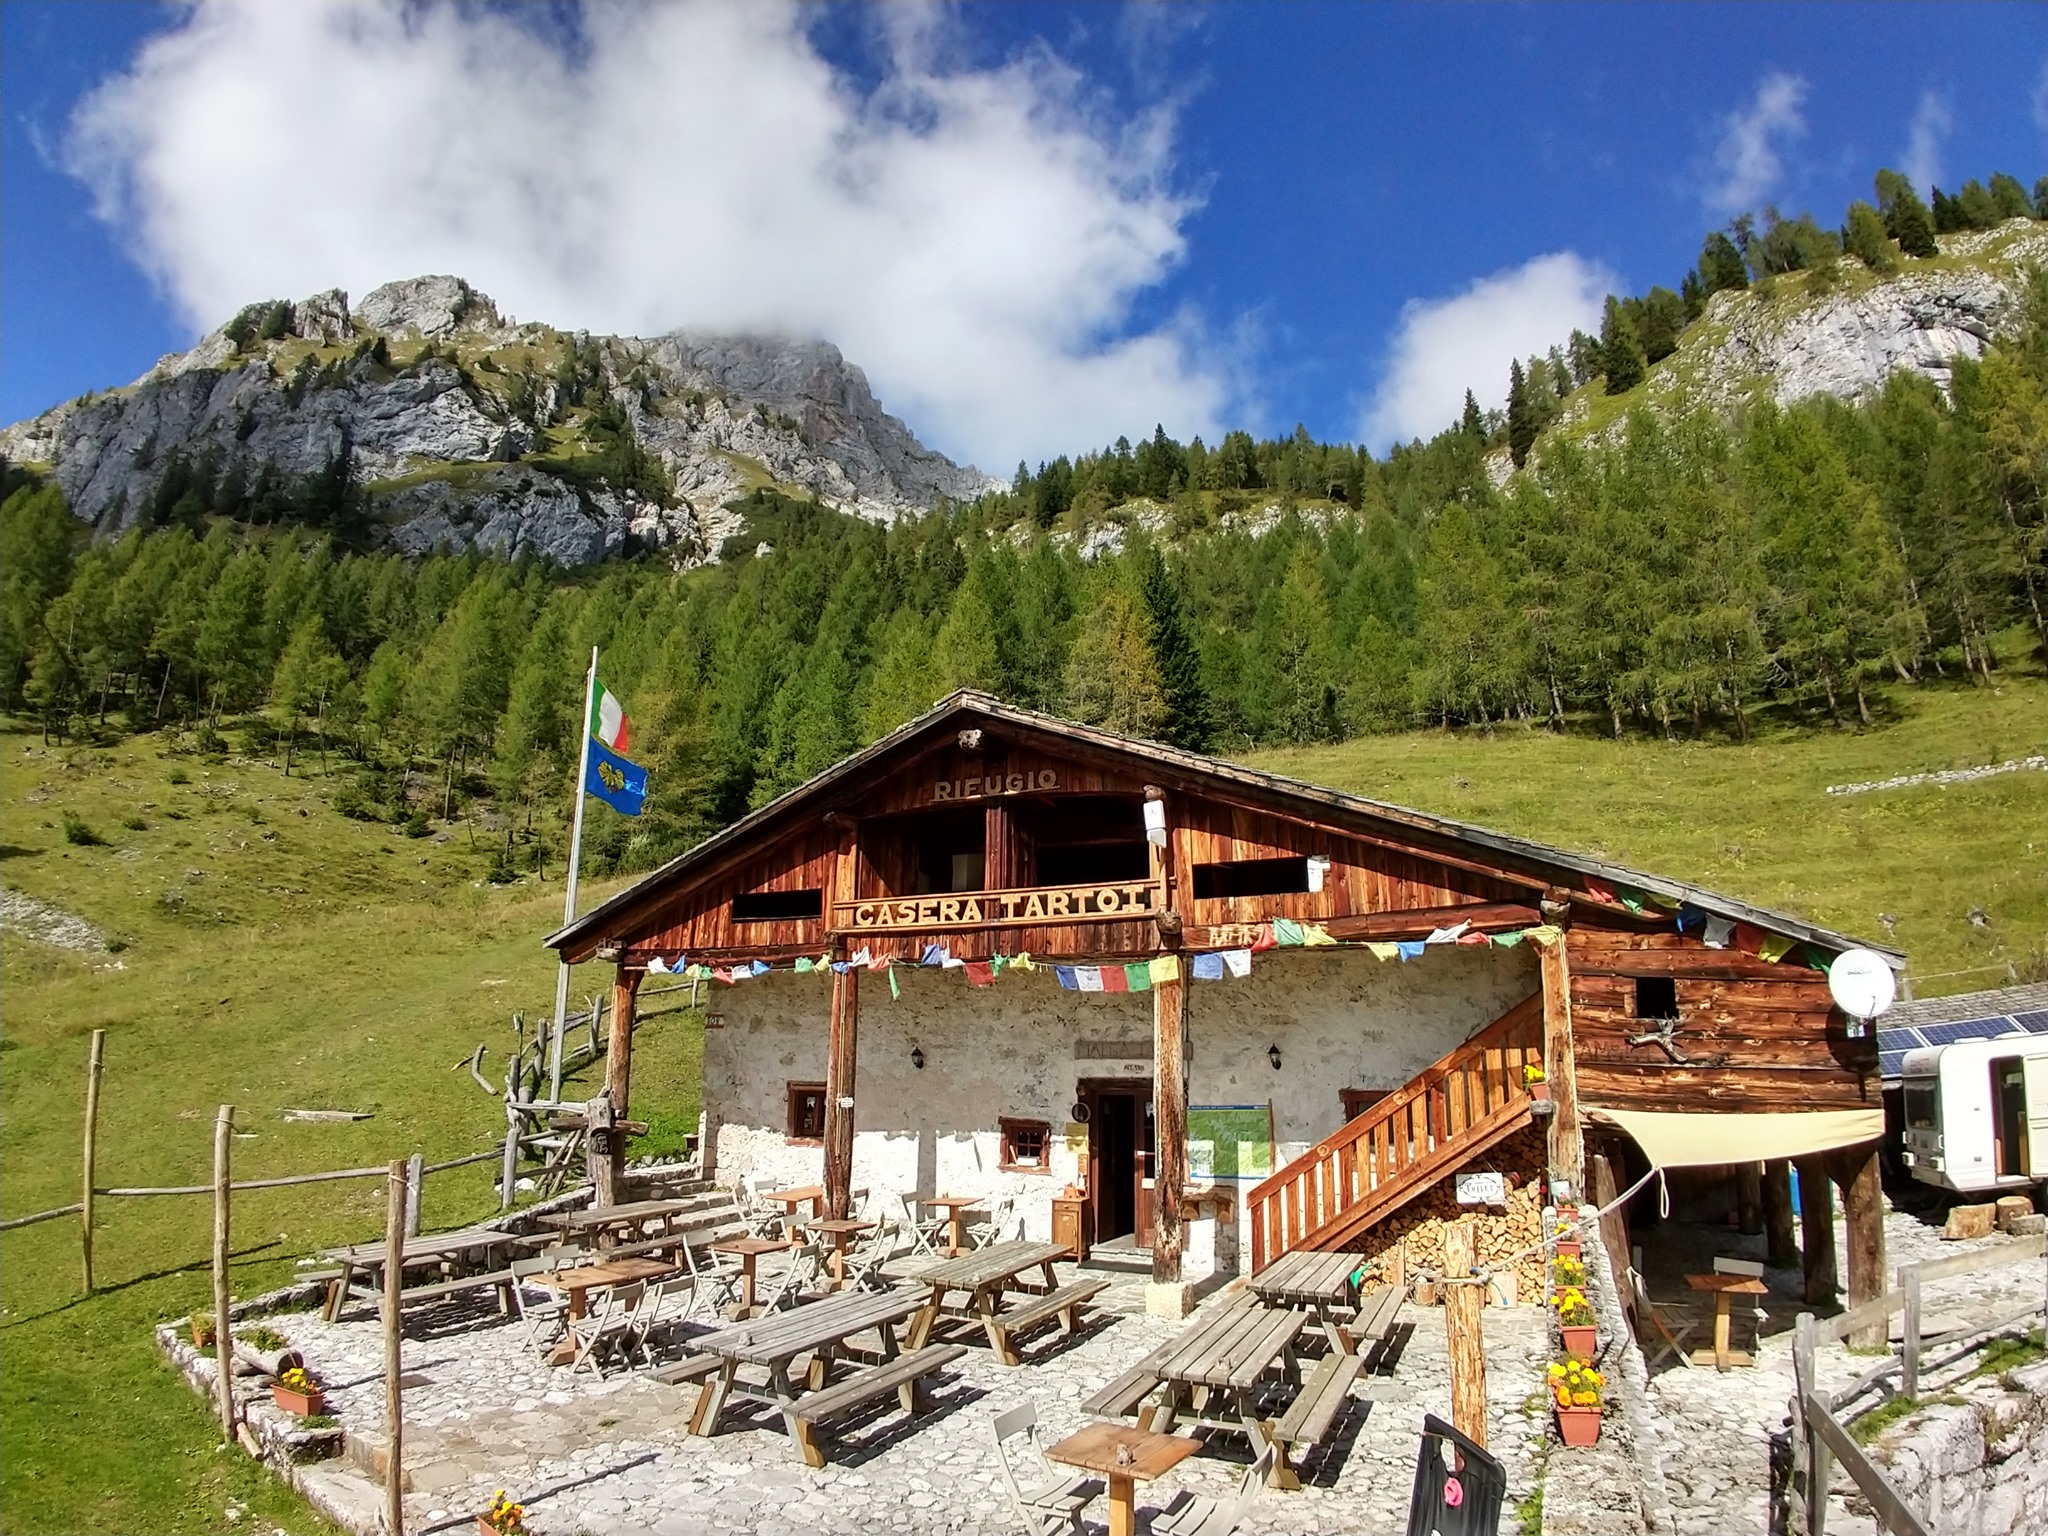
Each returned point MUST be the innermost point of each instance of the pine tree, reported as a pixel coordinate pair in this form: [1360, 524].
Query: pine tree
[1721, 266]
[1472, 424]
[1188, 720]
[1112, 676]
[900, 687]
[1906, 218]
[1522, 423]
[2009, 198]
[966, 654]
[1866, 240]
[1621, 350]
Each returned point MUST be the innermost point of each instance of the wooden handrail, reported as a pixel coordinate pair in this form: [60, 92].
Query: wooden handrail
[1404, 1142]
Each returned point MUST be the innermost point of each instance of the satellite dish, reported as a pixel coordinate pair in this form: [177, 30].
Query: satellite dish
[1861, 983]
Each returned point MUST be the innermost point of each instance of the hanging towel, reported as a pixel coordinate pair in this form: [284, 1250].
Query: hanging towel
[982, 973]
[1287, 932]
[1067, 978]
[1208, 967]
[1411, 949]
[1165, 968]
[1719, 931]
[1138, 976]
[1384, 951]
[1446, 935]
[1238, 961]
[1315, 934]
[934, 954]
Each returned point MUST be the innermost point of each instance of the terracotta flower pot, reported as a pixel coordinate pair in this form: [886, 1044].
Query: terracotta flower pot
[1579, 1340]
[1540, 1092]
[1568, 1248]
[1579, 1426]
[304, 1404]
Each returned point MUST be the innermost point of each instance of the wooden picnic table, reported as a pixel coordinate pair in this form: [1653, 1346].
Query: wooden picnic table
[986, 1275]
[477, 1245]
[1321, 1282]
[956, 1207]
[1725, 1288]
[840, 1231]
[749, 1251]
[612, 1221]
[790, 1199]
[1147, 1456]
[578, 1282]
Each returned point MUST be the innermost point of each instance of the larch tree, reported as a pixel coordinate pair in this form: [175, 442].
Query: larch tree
[1112, 676]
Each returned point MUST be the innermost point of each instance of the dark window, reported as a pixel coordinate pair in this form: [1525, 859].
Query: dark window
[1094, 864]
[806, 1111]
[1024, 1145]
[777, 906]
[1656, 997]
[949, 853]
[1920, 1106]
[1358, 1100]
[1251, 877]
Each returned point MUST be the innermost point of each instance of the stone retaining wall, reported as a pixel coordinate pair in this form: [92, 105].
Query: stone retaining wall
[1978, 1464]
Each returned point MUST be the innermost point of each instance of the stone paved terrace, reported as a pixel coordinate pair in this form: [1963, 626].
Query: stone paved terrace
[614, 1456]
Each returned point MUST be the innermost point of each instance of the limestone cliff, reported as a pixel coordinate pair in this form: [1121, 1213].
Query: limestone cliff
[457, 428]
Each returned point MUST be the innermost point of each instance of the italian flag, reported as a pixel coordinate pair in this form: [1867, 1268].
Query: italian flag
[608, 722]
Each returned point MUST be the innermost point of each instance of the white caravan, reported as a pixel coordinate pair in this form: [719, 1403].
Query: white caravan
[1976, 1113]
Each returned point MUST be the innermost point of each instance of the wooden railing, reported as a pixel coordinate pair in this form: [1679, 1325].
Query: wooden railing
[1401, 1145]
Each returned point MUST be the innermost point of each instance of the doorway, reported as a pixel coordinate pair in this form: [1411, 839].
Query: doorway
[1119, 1156]
[2009, 1113]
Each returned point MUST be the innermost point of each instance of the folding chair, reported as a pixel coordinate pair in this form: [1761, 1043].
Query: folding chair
[762, 1219]
[539, 1310]
[924, 1233]
[1646, 1309]
[666, 1306]
[805, 1271]
[715, 1277]
[1047, 1501]
[610, 1326]
[1218, 1517]
[980, 1234]
[864, 1264]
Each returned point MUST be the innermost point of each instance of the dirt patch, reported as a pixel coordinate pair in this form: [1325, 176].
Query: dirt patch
[23, 914]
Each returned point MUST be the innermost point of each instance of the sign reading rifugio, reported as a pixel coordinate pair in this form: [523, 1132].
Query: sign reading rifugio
[980, 788]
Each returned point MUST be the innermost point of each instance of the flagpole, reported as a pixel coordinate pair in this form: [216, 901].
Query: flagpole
[569, 900]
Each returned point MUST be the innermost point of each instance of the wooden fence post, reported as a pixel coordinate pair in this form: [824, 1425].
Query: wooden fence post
[89, 1161]
[415, 1192]
[1807, 1444]
[396, 1200]
[223, 1338]
[1463, 1302]
[1909, 1347]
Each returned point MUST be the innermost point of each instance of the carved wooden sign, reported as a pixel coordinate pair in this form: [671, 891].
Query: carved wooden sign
[995, 909]
[973, 788]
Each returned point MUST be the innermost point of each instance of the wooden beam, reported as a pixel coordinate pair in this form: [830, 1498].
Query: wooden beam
[1169, 1126]
[1567, 1142]
[841, 1054]
[1777, 1197]
[1749, 1198]
[1817, 1228]
[1863, 1209]
[618, 1068]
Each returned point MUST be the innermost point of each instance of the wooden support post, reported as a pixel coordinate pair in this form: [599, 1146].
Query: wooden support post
[1817, 1229]
[841, 1059]
[396, 1198]
[223, 1337]
[1909, 1345]
[1807, 1446]
[618, 1072]
[1749, 1198]
[415, 1191]
[508, 1167]
[1863, 1210]
[1567, 1141]
[598, 1138]
[88, 1161]
[1464, 1305]
[1777, 1199]
[1614, 1234]
[1169, 1127]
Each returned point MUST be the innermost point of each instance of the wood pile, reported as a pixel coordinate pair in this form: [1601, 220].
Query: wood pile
[1499, 1233]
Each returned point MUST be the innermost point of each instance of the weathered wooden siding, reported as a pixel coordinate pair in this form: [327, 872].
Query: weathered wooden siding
[1755, 1036]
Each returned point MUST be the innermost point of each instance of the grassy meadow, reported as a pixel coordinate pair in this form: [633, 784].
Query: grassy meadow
[268, 953]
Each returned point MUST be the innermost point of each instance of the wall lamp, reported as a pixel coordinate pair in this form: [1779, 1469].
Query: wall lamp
[917, 1057]
[1273, 1055]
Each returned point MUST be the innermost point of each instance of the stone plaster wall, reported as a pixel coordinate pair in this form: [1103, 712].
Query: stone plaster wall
[1340, 1018]
[1975, 1466]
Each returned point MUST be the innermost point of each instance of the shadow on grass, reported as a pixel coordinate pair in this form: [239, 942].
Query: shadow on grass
[134, 1280]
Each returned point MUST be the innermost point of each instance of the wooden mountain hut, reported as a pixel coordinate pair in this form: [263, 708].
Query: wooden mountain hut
[1164, 1001]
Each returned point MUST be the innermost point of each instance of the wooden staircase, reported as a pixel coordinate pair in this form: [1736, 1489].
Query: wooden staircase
[1397, 1148]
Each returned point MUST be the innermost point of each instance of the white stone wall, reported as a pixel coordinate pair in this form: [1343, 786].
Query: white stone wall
[1340, 1018]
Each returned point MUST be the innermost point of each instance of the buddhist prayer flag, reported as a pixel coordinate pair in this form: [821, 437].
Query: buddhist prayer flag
[1088, 978]
[1113, 977]
[1138, 976]
[934, 954]
[620, 784]
[608, 722]
[1472, 937]
[895, 987]
[1510, 940]
[1238, 961]
[1410, 949]
[1165, 968]
[1208, 967]
[1064, 975]
[1286, 932]
[1718, 933]
[1448, 935]
[1774, 948]
[1265, 940]
[1313, 934]
[981, 972]
[1385, 951]
[1599, 890]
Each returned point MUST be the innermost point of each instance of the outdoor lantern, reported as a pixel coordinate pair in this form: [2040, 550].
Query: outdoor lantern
[917, 1057]
[1273, 1055]
[1155, 823]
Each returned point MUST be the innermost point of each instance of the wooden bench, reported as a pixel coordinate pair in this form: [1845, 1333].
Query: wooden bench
[903, 1375]
[1377, 1311]
[500, 1279]
[1309, 1416]
[696, 1368]
[1065, 1303]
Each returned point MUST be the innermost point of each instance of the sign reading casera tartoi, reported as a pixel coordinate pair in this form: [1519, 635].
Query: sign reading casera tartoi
[990, 909]
[973, 788]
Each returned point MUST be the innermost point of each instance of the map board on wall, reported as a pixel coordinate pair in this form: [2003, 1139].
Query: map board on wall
[1229, 1141]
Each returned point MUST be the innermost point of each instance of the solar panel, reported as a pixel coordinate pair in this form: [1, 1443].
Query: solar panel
[1967, 1029]
[1890, 1063]
[2035, 1023]
[1904, 1038]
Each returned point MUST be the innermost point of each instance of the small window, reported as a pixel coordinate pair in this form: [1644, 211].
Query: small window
[1024, 1145]
[1656, 998]
[778, 906]
[1251, 877]
[1094, 863]
[806, 1111]
[1358, 1100]
[1920, 1106]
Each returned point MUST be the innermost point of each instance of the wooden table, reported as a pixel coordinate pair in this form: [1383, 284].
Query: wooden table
[790, 1199]
[477, 1245]
[611, 1221]
[840, 1231]
[1148, 1455]
[1321, 1282]
[985, 1275]
[819, 1329]
[749, 1250]
[955, 1207]
[578, 1282]
[1725, 1288]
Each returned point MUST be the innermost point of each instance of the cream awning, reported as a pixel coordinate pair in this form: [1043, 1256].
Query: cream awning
[1692, 1141]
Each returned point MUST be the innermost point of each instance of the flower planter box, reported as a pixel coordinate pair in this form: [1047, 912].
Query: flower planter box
[1578, 1426]
[1568, 1248]
[304, 1404]
[1540, 1092]
[1579, 1340]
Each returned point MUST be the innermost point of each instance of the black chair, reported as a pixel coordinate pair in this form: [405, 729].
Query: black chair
[1461, 1502]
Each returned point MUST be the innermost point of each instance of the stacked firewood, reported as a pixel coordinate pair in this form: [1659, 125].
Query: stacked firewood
[1500, 1232]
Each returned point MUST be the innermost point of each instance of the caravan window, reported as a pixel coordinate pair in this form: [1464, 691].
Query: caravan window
[1920, 1106]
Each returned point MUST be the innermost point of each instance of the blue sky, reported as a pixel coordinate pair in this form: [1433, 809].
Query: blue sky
[1035, 226]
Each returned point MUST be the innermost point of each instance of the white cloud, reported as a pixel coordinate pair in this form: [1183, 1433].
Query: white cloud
[1747, 164]
[1442, 347]
[973, 238]
[2041, 100]
[1932, 121]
